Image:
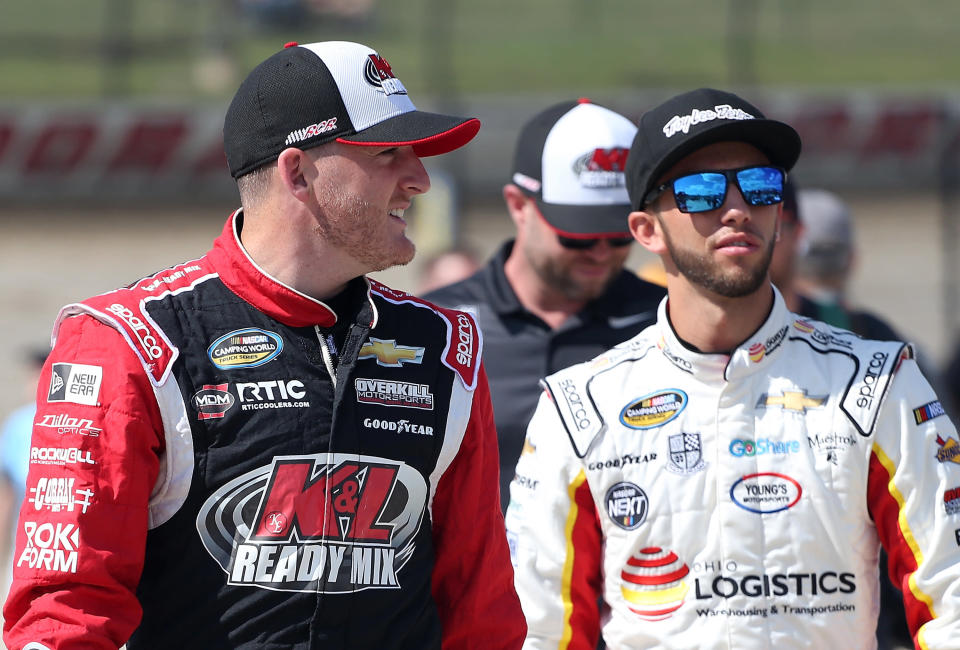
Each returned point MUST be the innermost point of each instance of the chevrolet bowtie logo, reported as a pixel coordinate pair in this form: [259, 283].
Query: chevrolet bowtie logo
[389, 354]
[792, 400]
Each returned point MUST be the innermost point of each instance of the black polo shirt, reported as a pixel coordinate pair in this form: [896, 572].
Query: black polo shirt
[520, 348]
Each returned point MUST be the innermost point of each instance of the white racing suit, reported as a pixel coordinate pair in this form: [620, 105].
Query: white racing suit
[715, 501]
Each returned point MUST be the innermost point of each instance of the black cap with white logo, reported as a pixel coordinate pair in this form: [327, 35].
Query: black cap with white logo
[571, 158]
[308, 95]
[693, 120]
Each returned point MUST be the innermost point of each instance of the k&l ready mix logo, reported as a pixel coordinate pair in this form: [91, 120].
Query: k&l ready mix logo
[333, 523]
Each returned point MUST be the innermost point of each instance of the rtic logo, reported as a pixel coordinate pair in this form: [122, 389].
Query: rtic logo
[51, 547]
[394, 393]
[602, 168]
[299, 135]
[272, 394]
[388, 354]
[212, 401]
[379, 74]
[334, 523]
[56, 494]
[76, 383]
[64, 423]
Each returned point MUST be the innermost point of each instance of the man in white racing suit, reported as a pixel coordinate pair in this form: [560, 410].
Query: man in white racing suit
[725, 478]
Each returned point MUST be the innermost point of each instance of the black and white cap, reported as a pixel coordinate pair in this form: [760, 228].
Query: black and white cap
[690, 121]
[308, 95]
[571, 158]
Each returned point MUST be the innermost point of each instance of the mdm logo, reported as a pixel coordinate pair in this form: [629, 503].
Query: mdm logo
[329, 523]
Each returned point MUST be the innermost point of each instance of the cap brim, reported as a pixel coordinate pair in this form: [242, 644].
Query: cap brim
[430, 134]
[777, 140]
[596, 221]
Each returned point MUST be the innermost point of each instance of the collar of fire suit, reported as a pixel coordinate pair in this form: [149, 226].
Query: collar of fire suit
[753, 355]
[279, 301]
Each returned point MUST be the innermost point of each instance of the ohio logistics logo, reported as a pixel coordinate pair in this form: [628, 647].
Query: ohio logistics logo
[653, 583]
[330, 523]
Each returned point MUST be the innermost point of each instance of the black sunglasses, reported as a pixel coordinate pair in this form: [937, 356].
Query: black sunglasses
[707, 190]
[576, 244]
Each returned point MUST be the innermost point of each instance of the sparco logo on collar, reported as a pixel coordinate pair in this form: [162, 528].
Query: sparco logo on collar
[328, 523]
[868, 384]
[246, 348]
[75, 382]
[379, 74]
[394, 393]
[682, 123]
[574, 404]
[654, 410]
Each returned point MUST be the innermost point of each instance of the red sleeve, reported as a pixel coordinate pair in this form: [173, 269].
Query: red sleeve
[472, 575]
[97, 439]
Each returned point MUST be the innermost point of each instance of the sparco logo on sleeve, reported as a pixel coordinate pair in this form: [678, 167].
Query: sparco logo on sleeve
[75, 382]
[328, 523]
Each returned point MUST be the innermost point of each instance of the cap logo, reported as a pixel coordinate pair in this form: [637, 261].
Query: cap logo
[526, 182]
[682, 123]
[379, 74]
[602, 167]
[300, 135]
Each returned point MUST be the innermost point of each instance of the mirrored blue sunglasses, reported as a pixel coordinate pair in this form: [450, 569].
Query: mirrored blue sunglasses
[707, 190]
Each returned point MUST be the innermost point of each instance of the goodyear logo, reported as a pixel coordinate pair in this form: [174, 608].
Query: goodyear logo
[654, 410]
[246, 348]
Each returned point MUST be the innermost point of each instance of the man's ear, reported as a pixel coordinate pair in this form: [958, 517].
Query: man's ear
[645, 228]
[294, 167]
[516, 200]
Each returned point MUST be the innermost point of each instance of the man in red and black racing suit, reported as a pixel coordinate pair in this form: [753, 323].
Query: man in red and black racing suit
[223, 460]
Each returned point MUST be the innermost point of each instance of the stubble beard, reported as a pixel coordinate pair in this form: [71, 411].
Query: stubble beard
[555, 275]
[706, 273]
[358, 228]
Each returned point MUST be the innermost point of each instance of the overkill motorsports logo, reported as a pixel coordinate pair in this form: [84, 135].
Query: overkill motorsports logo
[329, 523]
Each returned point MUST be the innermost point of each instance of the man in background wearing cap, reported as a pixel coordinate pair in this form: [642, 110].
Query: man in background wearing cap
[262, 448]
[725, 478]
[557, 294]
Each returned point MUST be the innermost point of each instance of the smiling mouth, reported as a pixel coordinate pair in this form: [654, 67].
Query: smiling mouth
[397, 212]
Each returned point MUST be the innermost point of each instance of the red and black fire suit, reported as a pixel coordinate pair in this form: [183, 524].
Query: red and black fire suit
[219, 461]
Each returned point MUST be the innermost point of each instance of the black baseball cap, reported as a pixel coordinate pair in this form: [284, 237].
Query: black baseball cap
[308, 95]
[693, 120]
[571, 159]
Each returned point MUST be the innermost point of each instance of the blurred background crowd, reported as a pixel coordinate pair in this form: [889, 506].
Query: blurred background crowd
[111, 162]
